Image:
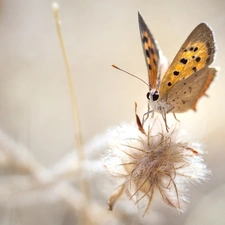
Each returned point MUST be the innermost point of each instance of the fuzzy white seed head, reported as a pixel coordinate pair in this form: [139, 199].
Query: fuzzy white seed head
[153, 165]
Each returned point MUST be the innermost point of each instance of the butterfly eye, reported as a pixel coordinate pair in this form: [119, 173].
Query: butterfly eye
[155, 96]
[148, 95]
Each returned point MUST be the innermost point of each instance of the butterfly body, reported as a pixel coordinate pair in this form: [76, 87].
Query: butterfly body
[187, 77]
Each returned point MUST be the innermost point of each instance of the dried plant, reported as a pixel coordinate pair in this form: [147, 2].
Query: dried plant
[153, 165]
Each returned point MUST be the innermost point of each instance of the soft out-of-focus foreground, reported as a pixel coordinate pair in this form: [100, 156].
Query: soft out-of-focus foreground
[38, 168]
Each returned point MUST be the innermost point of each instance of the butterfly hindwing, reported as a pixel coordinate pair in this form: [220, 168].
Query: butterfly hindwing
[196, 53]
[186, 93]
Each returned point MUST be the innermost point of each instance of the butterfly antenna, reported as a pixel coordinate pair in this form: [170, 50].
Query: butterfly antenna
[130, 74]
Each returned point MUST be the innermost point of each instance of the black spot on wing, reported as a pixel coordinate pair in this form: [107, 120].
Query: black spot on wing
[145, 39]
[183, 61]
[152, 51]
[176, 73]
[198, 59]
[147, 53]
[195, 49]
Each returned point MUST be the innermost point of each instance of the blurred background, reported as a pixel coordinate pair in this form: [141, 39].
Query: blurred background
[35, 105]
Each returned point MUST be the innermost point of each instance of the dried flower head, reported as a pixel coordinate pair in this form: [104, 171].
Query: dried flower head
[154, 165]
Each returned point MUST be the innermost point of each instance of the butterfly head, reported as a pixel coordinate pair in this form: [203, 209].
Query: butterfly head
[158, 104]
[153, 95]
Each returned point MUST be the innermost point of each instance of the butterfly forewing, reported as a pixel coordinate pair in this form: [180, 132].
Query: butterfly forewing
[196, 53]
[151, 52]
[187, 92]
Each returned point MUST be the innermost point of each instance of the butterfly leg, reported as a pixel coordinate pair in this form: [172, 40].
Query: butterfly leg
[175, 117]
[146, 115]
[164, 118]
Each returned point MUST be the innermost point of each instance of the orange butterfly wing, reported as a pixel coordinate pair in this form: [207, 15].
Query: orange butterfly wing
[151, 53]
[196, 53]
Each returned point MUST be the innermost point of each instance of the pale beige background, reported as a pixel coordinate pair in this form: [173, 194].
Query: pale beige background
[35, 105]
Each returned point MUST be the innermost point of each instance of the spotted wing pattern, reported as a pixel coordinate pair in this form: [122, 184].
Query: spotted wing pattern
[196, 53]
[151, 53]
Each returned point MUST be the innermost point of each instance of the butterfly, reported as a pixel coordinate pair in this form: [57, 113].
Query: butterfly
[188, 76]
